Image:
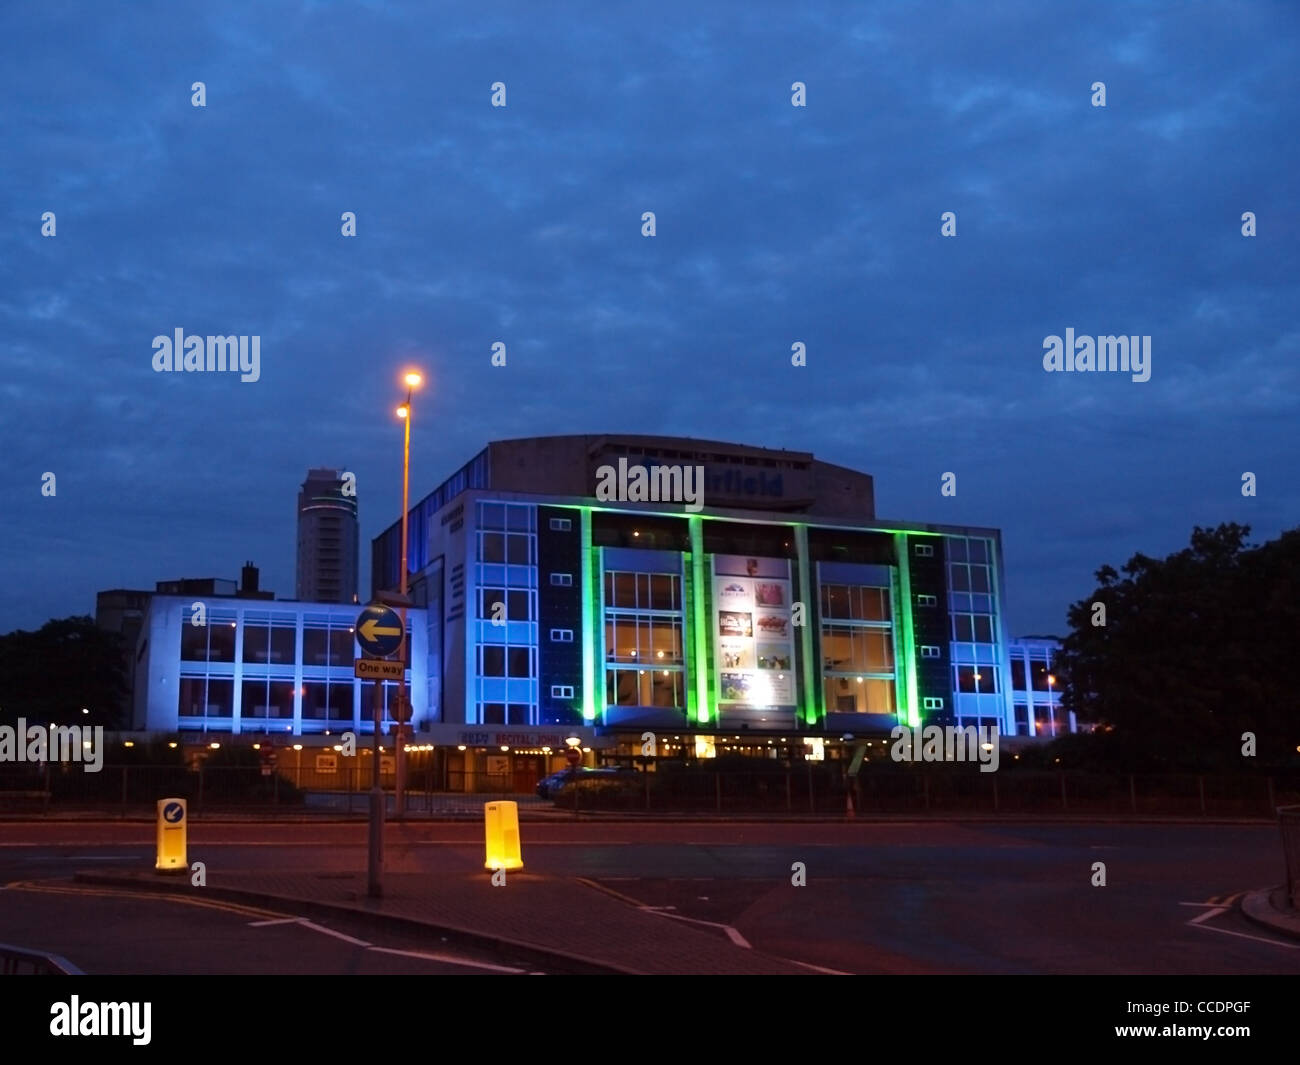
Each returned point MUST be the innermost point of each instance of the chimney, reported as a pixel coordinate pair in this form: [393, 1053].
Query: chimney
[248, 578]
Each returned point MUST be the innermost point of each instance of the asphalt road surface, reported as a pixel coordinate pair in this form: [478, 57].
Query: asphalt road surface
[916, 897]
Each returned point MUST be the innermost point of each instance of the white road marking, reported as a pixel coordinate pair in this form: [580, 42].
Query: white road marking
[450, 959]
[1216, 909]
[818, 968]
[422, 955]
[732, 934]
[1243, 935]
[330, 932]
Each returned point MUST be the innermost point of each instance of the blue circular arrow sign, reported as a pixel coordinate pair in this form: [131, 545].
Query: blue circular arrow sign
[379, 630]
[173, 812]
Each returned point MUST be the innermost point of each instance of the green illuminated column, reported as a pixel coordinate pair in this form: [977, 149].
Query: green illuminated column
[698, 660]
[813, 710]
[906, 694]
[589, 632]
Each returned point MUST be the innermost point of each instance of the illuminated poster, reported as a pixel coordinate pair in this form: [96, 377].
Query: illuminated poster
[753, 641]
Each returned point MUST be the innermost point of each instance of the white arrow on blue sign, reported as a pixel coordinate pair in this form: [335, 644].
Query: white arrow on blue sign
[173, 812]
[379, 630]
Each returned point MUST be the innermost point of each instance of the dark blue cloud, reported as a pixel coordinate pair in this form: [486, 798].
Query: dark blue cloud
[522, 224]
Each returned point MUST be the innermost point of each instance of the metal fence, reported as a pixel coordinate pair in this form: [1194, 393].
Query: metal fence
[17, 961]
[814, 789]
[798, 789]
[1289, 820]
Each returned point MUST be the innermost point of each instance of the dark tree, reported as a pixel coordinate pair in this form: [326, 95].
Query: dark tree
[49, 675]
[1196, 649]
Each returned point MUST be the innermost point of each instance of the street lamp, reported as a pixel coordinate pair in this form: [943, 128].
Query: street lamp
[413, 381]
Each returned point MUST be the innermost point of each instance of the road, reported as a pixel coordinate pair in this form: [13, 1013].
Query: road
[916, 897]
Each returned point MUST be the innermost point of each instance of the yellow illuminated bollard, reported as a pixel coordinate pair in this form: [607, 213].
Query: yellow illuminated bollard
[171, 836]
[501, 825]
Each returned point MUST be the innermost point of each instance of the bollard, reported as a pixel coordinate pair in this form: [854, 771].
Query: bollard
[171, 836]
[501, 836]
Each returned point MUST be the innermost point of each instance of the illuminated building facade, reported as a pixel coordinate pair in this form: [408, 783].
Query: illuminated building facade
[774, 601]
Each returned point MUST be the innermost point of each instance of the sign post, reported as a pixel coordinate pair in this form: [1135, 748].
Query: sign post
[379, 633]
[171, 836]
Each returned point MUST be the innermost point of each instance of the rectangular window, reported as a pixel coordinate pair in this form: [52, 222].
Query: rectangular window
[315, 646]
[519, 662]
[561, 691]
[930, 651]
[979, 679]
[1040, 678]
[562, 580]
[926, 600]
[1018, 682]
[561, 525]
[645, 687]
[494, 661]
[519, 549]
[492, 547]
[924, 550]
[519, 605]
[562, 636]
[859, 695]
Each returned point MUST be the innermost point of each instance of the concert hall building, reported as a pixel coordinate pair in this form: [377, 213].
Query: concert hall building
[718, 595]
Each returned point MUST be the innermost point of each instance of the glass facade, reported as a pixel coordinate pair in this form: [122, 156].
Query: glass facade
[272, 669]
[504, 659]
[976, 650]
[857, 644]
[644, 640]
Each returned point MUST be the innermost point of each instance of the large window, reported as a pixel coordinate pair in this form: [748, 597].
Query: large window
[266, 700]
[505, 604]
[857, 647]
[204, 697]
[645, 687]
[327, 701]
[213, 642]
[326, 646]
[972, 628]
[642, 591]
[644, 640]
[853, 649]
[1018, 682]
[270, 642]
[634, 638]
[980, 679]
[855, 603]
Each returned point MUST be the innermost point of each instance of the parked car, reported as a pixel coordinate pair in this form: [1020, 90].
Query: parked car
[550, 787]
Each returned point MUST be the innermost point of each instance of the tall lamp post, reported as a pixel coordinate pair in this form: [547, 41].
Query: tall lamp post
[413, 381]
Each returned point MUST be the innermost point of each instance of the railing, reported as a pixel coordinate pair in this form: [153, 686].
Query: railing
[801, 788]
[1289, 820]
[17, 961]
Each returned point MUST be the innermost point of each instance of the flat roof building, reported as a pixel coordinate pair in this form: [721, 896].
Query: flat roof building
[722, 588]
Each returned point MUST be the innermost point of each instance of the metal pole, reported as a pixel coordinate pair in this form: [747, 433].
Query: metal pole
[399, 797]
[376, 857]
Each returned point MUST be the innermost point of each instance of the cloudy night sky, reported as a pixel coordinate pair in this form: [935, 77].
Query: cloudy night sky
[522, 224]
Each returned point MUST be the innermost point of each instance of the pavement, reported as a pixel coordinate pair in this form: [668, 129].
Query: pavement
[569, 924]
[1272, 909]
